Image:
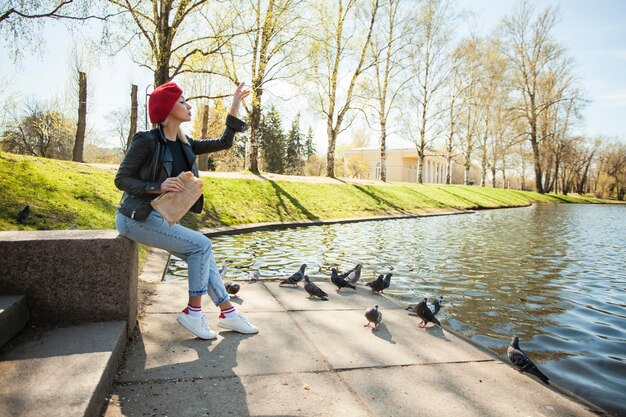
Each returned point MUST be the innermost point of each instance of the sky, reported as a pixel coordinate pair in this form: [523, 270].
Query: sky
[593, 31]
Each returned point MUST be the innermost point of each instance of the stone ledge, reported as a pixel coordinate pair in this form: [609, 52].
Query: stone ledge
[71, 276]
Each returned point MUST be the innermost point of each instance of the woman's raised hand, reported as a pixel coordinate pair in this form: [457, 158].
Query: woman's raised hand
[239, 95]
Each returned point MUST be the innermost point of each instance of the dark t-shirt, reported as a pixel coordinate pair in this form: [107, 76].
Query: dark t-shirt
[179, 163]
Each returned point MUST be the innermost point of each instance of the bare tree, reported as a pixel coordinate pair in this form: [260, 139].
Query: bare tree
[273, 41]
[531, 51]
[22, 20]
[170, 37]
[430, 69]
[388, 47]
[330, 52]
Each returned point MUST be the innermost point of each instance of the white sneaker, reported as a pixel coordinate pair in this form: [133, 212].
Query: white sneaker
[197, 325]
[239, 324]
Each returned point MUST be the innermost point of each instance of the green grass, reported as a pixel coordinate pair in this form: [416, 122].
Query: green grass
[63, 193]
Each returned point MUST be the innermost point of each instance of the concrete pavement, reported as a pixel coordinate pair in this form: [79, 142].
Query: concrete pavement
[315, 358]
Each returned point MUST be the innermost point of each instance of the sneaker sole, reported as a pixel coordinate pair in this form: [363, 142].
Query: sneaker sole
[194, 333]
[238, 331]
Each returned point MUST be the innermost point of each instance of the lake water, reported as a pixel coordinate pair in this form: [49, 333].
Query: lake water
[553, 274]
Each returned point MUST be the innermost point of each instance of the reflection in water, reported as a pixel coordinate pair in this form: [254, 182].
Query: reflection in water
[553, 274]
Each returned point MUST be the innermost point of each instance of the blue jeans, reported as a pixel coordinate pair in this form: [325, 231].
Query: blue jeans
[187, 244]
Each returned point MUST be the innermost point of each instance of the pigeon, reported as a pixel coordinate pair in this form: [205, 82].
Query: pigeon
[437, 305]
[387, 281]
[373, 316]
[254, 275]
[424, 312]
[314, 290]
[72, 227]
[338, 281]
[353, 275]
[223, 268]
[523, 362]
[23, 214]
[295, 278]
[232, 288]
[378, 284]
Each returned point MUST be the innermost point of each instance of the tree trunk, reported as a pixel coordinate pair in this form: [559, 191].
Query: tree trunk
[255, 121]
[133, 115]
[537, 162]
[203, 159]
[79, 143]
[383, 156]
[330, 156]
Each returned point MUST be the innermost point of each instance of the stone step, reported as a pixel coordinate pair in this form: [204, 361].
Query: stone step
[13, 316]
[61, 371]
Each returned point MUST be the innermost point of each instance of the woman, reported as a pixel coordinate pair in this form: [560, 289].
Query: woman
[150, 167]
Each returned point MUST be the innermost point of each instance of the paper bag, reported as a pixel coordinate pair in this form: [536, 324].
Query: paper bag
[173, 205]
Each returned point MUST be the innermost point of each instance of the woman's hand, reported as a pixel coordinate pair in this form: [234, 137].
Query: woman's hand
[239, 95]
[172, 184]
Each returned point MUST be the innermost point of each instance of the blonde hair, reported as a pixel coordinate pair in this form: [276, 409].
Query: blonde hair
[180, 135]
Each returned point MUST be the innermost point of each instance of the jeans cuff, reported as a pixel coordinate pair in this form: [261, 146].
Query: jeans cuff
[197, 293]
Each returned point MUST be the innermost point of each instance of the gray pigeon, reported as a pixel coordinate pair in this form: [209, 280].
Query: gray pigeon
[523, 362]
[378, 284]
[338, 281]
[295, 278]
[387, 281]
[223, 268]
[373, 316]
[232, 288]
[353, 275]
[254, 275]
[314, 290]
[23, 214]
[424, 312]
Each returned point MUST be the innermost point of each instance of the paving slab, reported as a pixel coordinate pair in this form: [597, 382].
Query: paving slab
[172, 297]
[163, 349]
[343, 340]
[296, 298]
[154, 266]
[463, 389]
[305, 394]
[64, 371]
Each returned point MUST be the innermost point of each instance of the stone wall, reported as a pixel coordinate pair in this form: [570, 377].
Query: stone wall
[71, 276]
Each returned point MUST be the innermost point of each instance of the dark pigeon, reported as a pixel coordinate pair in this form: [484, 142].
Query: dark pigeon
[437, 305]
[378, 284]
[232, 288]
[338, 281]
[353, 275]
[523, 362]
[387, 281]
[424, 312]
[314, 290]
[24, 213]
[373, 316]
[295, 278]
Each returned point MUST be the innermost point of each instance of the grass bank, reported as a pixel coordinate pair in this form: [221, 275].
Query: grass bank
[63, 193]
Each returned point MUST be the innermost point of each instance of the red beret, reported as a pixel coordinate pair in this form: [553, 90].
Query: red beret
[162, 101]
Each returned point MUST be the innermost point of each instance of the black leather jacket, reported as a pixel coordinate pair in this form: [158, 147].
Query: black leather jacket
[148, 162]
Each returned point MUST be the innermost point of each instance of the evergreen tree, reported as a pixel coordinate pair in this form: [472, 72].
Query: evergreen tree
[295, 148]
[309, 149]
[272, 142]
